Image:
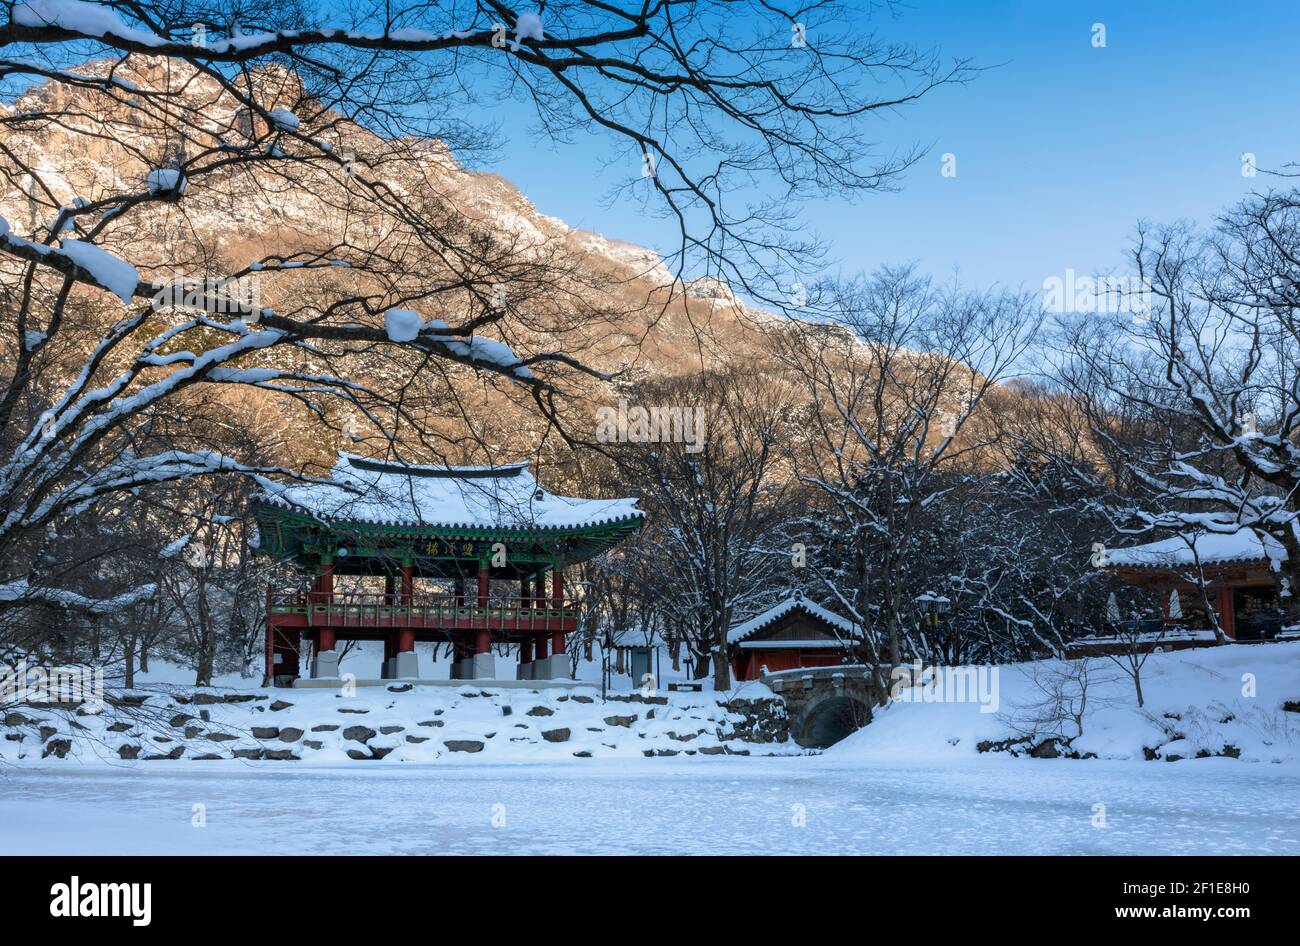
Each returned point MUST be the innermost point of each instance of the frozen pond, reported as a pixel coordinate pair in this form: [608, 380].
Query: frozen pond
[723, 805]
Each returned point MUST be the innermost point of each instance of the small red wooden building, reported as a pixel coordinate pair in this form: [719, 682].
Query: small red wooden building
[796, 633]
[1234, 569]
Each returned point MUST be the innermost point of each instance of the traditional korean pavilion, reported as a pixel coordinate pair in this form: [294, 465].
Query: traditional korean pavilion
[470, 556]
[795, 633]
[1235, 568]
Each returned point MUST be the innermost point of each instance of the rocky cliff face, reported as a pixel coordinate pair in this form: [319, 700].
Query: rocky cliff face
[109, 146]
[613, 304]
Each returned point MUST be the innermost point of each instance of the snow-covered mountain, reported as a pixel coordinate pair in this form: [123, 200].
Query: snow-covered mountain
[218, 223]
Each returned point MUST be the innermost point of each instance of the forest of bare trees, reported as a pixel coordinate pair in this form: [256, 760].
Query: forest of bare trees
[229, 252]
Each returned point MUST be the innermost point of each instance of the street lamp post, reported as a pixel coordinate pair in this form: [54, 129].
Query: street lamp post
[932, 608]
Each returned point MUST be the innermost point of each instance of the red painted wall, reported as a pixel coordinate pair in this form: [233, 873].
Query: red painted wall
[749, 664]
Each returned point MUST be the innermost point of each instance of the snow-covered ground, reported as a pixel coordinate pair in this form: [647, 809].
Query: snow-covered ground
[912, 781]
[727, 805]
[1210, 701]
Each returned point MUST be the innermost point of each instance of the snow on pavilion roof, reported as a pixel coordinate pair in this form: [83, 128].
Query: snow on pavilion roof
[382, 492]
[1212, 548]
[745, 629]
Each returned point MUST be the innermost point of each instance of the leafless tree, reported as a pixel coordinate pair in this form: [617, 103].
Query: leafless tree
[717, 536]
[1211, 374]
[895, 374]
[1059, 696]
[109, 356]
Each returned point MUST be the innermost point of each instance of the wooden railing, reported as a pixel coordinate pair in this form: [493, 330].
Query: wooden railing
[423, 610]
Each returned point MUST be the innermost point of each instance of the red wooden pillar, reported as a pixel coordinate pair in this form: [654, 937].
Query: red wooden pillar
[483, 635]
[1227, 612]
[406, 634]
[326, 635]
[270, 641]
[325, 579]
[557, 603]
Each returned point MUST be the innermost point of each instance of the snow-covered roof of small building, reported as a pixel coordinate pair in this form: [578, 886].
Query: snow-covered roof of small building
[745, 629]
[384, 492]
[1212, 548]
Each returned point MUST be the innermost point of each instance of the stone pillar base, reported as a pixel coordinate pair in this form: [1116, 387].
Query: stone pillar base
[404, 666]
[482, 667]
[525, 671]
[325, 663]
[555, 667]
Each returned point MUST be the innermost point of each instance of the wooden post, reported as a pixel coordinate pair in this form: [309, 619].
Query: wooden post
[270, 636]
[1227, 612]
[483, 636]
[325, 585]
[557, 602]
[406, 637]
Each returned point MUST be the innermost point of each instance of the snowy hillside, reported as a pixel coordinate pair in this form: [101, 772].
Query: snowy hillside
[1197, 702]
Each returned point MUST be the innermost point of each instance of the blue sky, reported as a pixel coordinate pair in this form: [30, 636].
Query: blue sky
[1060, 150]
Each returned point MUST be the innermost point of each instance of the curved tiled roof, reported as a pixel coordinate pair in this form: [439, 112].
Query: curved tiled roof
[745, 629]
[380, 492]
[1212, 548]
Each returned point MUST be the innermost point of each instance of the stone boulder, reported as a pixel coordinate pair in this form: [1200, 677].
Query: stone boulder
[463, 745]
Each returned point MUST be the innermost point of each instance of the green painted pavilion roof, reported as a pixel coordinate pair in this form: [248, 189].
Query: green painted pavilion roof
[386, 508]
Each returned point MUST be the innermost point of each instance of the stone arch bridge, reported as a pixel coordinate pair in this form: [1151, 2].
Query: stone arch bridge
[825, 704]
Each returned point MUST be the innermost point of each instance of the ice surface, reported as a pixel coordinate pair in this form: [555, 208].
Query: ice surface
[727, 805]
